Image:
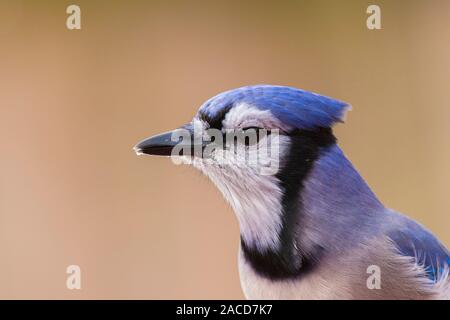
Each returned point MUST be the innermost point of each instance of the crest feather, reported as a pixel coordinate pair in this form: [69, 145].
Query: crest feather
[295, 107]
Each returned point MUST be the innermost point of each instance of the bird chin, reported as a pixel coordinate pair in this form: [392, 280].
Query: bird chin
[186, 160]
[196, 162]
[219, 161]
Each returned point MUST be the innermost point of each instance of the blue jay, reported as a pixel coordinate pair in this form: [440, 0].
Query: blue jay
[313, 229]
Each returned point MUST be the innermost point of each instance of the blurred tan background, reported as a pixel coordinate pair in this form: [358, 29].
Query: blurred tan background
[73, 104]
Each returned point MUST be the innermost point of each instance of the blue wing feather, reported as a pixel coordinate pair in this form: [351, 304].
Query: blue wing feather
[415, 241]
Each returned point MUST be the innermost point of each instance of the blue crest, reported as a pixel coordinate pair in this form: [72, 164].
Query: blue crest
[295, 107]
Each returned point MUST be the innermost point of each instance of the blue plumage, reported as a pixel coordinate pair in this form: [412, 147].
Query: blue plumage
[294, 107]
[315, 223]
[415, 241]
[306, 110]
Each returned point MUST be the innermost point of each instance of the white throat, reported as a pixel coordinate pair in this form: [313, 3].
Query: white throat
[256, 201]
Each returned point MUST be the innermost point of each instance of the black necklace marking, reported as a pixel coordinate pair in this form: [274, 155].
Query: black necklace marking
[289, 261]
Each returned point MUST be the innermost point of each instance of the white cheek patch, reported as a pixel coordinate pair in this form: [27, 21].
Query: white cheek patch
[263, 158]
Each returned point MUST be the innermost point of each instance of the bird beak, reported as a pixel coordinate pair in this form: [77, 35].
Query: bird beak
[163, 144]
[158, 145]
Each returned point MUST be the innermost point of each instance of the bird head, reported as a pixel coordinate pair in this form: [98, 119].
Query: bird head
[245, 119]
[253, 143]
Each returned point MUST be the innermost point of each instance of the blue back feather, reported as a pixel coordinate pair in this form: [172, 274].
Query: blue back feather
[297, 108]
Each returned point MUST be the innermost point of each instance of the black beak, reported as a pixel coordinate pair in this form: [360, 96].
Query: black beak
[159, 145]
[163, 144]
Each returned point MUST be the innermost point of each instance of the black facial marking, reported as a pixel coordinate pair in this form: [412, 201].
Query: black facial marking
[290, 260]
[215, 122]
